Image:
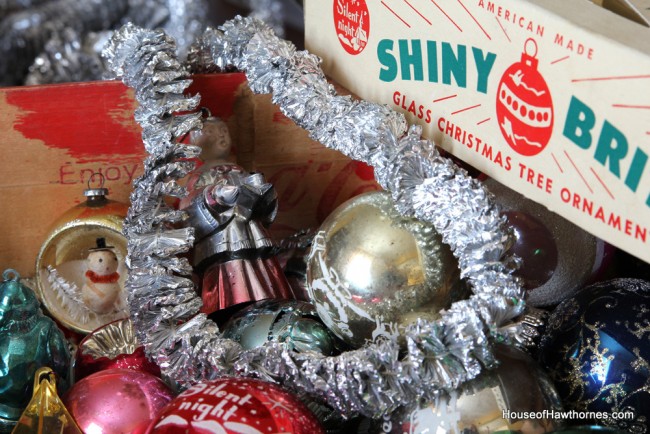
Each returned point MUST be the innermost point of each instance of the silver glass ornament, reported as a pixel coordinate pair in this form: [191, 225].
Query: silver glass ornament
[292, 322]
[371, 271]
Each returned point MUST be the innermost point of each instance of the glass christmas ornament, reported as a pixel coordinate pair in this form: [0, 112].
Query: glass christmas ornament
[28, 340]
[372, 271]
[45, 413]
[117, 401]
[596, 351]
[235, 406]
[516, 397]
[80, 269]
[293, 322]
[557, 257]
[112, 346]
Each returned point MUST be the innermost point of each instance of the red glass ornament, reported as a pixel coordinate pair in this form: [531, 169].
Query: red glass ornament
[113, 346]
[117, 401]
[535, 245]
[236, 406]
[524, 105]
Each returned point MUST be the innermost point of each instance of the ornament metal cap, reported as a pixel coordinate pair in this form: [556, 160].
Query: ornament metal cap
[96, 193]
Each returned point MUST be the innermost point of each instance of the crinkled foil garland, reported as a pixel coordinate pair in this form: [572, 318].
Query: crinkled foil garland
[372, 380]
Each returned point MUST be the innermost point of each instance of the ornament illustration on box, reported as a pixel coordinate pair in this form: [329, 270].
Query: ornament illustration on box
[524, 105]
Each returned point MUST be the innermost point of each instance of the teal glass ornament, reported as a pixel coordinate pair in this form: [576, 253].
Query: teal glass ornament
[28, 341]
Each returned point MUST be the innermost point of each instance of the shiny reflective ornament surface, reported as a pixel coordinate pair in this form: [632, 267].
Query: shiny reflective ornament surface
[293, 322]
[45, 413]
[558, 257]
[371, 271]
[491, 403]
[596, 350]
[230, 209]
[114, 345]
[28, 340]
[75, 286]
[235, 406]
[117, 401]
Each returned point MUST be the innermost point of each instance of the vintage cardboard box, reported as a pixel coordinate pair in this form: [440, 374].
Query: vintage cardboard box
[55, 137]
[550, 97]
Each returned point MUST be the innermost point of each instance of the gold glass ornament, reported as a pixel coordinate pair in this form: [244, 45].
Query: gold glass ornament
[45, 413]
[82, 260]
[514, 398]
[371, 271]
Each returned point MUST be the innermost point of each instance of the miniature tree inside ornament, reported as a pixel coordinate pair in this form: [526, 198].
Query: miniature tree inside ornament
[80, 269]
[230, 209]
[28, 340]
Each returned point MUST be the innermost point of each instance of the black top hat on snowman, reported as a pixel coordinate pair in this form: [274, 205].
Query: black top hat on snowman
[101, 245]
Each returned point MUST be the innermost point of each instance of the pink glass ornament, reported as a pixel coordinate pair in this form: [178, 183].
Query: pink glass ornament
[235, 406]
[116, 401]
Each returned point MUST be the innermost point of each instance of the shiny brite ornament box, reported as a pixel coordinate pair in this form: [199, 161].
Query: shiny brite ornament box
[551, 98]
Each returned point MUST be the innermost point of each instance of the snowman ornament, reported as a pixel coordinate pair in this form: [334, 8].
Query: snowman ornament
[101, 290]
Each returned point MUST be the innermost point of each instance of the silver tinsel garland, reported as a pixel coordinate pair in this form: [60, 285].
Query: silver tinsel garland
[372, 380]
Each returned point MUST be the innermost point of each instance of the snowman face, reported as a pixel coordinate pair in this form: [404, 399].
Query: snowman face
[102, 262]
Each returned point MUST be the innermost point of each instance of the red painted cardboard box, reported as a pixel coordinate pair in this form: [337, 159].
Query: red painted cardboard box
[550, 97]
[55, 137]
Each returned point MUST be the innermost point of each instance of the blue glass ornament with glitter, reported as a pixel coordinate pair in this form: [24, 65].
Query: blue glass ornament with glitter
[597, 351]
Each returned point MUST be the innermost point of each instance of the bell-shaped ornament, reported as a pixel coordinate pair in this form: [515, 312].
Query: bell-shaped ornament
[46, 413]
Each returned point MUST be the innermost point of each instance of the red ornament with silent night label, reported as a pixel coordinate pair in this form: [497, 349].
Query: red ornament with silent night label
[235, 406]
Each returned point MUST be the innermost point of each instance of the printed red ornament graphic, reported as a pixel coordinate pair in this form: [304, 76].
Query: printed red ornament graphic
[352, 24]
[524, 105]
[235, 406]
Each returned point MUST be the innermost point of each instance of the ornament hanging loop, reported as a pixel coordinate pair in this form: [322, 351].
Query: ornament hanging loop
[530, 42]
[10, 275]
[102, 180]
[96, 196]
[44, 374]
[529, 55]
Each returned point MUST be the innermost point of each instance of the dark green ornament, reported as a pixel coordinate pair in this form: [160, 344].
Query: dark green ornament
[28, 341]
